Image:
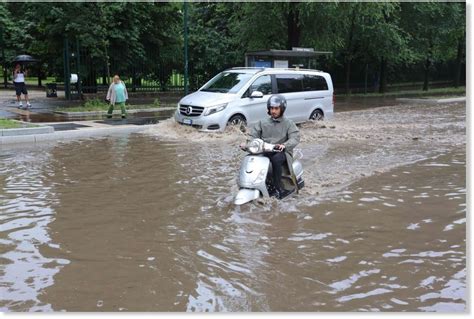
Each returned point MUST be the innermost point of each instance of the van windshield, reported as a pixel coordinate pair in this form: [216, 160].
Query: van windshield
[227, 82]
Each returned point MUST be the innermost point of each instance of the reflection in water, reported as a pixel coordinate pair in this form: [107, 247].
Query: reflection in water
[25, 205]
[145, 222]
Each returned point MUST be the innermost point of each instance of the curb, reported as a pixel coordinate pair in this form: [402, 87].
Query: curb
[27, 131]
[66, 135]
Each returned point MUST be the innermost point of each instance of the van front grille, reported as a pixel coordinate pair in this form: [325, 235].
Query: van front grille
[190, 110]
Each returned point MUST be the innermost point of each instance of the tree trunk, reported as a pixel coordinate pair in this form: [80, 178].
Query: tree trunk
[427, 73]
[39, 77]
[294, 28]
[348, 76]
[104, 78]
[350, 51]
[5, 76]
[457, 71]
[89, 82]
[383, 76]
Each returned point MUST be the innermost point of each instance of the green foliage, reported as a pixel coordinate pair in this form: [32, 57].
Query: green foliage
[8, 124]
[148, 36]
[437, 92]
[95, 104]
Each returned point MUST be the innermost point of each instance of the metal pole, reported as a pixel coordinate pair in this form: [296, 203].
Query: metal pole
[4, 64]
[108, 62]
[366, 71]
[79, 86]
[67, 75]
[185, 47]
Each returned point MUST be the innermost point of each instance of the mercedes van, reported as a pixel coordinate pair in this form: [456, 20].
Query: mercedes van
[239, 96]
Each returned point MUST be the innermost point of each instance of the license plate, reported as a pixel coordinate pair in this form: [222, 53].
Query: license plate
[188, 121]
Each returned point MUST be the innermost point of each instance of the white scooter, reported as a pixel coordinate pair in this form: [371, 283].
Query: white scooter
[255, 177]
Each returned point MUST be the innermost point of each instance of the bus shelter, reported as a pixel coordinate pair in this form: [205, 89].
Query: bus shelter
[295, 58]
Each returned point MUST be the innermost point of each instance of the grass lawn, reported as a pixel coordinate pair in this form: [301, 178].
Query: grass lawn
[7, 124]
[445, 92]
[438, 97]
[34, 80]
[99, 105]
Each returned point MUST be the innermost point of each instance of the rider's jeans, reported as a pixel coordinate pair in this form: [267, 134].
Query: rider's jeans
[277, 159]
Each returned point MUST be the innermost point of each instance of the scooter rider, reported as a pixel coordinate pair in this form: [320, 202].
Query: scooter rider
[282, 132]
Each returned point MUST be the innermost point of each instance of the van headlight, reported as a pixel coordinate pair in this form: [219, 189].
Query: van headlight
[215, 109]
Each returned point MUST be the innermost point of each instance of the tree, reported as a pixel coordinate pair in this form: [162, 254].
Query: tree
[212, 47]
[436, 31]
[10, 38]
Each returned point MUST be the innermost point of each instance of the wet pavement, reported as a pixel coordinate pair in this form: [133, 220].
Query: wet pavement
[42, 110]
[145, 222]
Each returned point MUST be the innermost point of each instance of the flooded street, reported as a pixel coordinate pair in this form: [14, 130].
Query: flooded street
[146, 222]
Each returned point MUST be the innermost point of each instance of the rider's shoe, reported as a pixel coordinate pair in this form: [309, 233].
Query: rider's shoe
[282, 193]
[273, 193]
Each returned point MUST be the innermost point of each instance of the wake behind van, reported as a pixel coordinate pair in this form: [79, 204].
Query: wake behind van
[239, 95]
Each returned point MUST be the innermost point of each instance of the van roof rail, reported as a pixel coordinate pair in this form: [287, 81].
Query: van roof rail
[259, 69]
[247, 67]
[295, 69]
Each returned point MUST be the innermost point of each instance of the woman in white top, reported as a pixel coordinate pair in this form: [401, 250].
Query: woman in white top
[20, 86]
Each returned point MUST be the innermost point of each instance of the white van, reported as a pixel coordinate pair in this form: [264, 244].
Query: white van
[239, 95]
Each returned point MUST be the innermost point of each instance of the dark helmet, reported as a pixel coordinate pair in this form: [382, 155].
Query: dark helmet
[275, 101]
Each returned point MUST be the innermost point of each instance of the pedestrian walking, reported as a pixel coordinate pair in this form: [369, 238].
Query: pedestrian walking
[117, 94]
[19, 75]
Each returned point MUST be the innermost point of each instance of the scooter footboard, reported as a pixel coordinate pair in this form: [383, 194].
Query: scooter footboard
[246, 195]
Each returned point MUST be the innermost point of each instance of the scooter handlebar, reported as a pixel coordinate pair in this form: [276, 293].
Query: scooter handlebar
[260, 147]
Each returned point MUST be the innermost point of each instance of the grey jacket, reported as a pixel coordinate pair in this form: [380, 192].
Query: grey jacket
[111, 93]
[277, 131]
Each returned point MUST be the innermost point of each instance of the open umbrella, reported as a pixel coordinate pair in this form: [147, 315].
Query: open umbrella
[24, 58]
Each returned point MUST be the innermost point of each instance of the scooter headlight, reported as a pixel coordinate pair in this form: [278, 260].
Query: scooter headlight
[215, 109]
[255, 146]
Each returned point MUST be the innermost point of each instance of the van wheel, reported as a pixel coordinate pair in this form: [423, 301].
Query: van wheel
[317, 115]
[237, 120]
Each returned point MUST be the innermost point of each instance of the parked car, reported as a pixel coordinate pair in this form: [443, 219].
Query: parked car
[239, 96]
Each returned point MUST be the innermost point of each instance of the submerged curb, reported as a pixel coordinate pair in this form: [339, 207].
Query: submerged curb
[116, 111]
[432, 101]
[67, 135]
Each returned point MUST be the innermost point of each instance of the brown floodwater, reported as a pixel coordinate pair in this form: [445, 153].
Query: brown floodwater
[145, 222]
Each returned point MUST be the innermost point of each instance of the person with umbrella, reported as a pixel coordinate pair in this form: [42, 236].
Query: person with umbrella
[19, 75]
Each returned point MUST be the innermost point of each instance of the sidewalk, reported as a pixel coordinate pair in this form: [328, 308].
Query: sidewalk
[82, 129]
[70, 126]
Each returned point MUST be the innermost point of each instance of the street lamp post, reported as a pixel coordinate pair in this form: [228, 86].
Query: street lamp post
[4, 63]
[185, 47]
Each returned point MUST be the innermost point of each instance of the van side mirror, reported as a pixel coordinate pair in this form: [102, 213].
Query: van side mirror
[256, 94]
